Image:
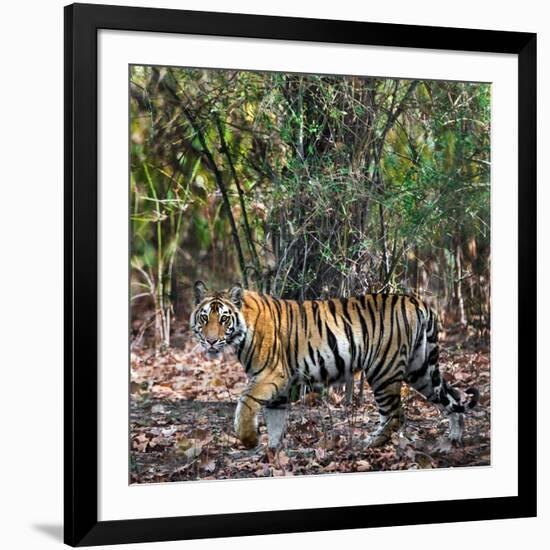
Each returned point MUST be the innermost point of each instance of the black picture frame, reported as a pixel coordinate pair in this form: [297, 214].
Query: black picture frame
[81, 25]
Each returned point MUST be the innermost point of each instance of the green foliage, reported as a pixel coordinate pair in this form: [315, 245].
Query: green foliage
[308, 186]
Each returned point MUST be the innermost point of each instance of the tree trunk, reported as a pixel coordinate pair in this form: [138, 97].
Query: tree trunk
[459, 292]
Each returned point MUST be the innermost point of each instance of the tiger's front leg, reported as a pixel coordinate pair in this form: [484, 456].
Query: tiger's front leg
[261, 392]
[275, 415]
[388, 399]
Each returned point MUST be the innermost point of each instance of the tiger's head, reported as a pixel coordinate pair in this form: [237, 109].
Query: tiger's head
[217, 320]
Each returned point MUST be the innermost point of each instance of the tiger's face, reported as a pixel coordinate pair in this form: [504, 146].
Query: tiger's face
[217, 320]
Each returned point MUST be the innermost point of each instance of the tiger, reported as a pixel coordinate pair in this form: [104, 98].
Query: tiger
[393, 338]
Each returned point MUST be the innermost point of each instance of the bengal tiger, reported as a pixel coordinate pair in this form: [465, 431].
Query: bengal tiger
[392, 337]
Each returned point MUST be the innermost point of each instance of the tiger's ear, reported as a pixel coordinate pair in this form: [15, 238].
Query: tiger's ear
[200, 292]
[236, 295]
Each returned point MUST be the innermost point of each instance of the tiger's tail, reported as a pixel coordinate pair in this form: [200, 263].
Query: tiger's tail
[432, 383]
[474, 398]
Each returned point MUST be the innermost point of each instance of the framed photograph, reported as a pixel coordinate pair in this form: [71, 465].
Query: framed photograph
[300, 287]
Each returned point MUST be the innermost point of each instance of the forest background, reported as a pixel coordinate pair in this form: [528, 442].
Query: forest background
[302, 186]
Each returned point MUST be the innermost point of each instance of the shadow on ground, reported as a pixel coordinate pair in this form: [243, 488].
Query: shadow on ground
[53, 531]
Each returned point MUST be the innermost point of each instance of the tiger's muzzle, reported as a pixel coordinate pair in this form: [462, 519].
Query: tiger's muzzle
[213, 347]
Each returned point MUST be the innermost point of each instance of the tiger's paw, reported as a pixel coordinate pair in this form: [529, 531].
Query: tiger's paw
[383, 432]
[246, 426]
[455, 437]
[272, 456]
[249, 439]
[376, 440]
[276, 458]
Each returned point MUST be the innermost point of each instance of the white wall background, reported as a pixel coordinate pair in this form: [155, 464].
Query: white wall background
[31, 285]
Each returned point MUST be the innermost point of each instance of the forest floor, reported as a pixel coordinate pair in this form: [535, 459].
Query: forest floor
[181, 423]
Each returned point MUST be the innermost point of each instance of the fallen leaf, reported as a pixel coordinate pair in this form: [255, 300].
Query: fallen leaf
[363, 465]
[140, 443]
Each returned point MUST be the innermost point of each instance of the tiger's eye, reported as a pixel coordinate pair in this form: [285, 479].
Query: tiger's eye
[224, 318]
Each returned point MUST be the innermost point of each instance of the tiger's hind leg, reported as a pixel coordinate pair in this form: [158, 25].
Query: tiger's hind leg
[388, 399]
[436, 390]
[427, 380]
